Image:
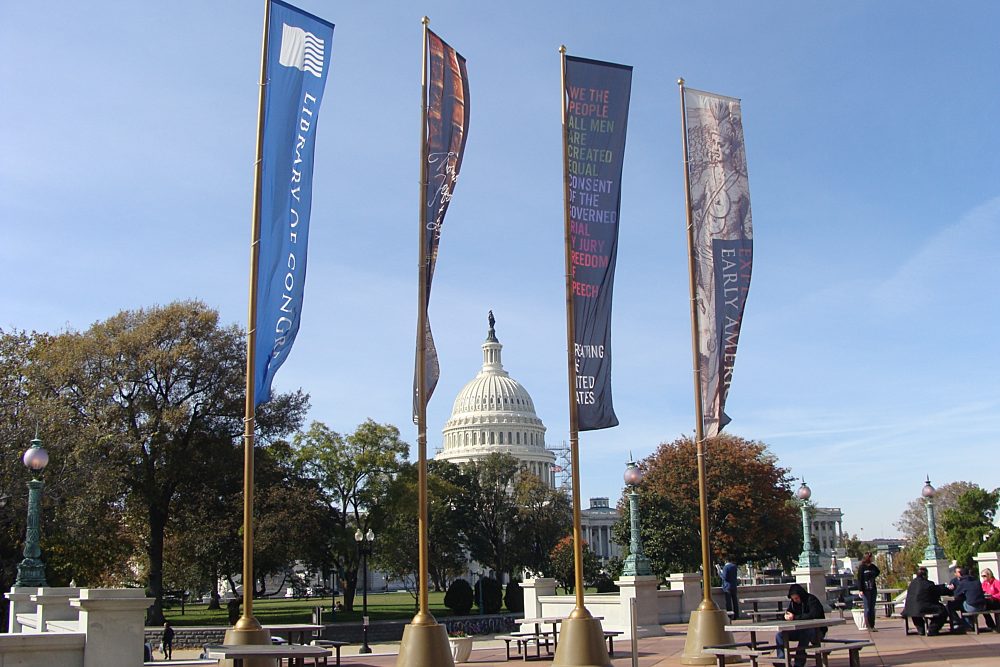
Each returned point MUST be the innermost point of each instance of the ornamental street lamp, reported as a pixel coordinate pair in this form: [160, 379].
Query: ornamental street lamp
[31, 570]
[636, 564]
[933, 550]
[364, 541]
[808, 558]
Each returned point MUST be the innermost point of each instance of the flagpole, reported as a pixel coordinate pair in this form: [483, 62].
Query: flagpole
[581, 639]
[247, 629]
[706, 626]
[425, 641]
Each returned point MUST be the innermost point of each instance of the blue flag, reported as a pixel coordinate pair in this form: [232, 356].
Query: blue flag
[298, 59]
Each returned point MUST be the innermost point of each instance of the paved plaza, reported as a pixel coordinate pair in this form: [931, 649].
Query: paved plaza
[891, 648]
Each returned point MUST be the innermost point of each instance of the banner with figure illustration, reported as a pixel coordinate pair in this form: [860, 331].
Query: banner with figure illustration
[722, 243]
[446, 130]
[297, 63]
[596, 102]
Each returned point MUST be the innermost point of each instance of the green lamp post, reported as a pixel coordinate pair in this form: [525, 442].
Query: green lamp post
[31, 570]
[933, 550]
[636, 564]
[808, 558]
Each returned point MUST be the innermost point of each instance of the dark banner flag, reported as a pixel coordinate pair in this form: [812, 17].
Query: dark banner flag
[722, 241]
[298, 59]
[444, 144]
[597, 98]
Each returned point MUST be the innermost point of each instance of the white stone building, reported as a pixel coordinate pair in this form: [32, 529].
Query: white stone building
[494, 413]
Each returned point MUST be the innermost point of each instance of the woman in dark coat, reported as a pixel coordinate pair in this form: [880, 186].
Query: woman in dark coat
[867, 574]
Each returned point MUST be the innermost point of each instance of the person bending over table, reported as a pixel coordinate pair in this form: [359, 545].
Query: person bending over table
[968, 596]
[801, 606]
[924, 597]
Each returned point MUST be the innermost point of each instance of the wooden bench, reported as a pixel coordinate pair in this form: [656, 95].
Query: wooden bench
[828, 646]
[524, 639]
[974, 615]
[906, 622]
[740, 652]
[332, 644]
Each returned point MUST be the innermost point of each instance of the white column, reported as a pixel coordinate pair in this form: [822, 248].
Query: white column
[814, 581]
[689, 583]
[988, 559]
[533, 590]
[113, 619]
[20, 603]
[647, 620]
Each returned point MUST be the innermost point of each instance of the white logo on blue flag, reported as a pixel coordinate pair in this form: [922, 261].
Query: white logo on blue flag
[301, 50]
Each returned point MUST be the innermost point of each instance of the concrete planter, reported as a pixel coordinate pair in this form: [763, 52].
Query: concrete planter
[461, 648]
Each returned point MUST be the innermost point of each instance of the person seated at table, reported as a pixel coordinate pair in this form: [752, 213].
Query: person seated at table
[801, 606]
[924, 597]
[967, 595]
[991, 588]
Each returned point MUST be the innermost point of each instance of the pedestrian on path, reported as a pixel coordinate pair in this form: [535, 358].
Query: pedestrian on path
[868, 572]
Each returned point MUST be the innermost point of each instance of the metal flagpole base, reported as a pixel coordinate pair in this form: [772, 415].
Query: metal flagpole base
[581, 644]
[248, 635]
[706, 628]
[425, 645]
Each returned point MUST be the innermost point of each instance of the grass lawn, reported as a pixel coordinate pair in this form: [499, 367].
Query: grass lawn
[381, 607]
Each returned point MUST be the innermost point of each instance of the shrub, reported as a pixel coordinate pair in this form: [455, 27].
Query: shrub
[459, 597]
[513, 598]
[491, 595]
[605, 584]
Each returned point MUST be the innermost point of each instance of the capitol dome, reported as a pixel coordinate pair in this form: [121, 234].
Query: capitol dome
[494, 413]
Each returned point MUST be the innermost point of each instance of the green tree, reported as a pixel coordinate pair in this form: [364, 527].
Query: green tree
[493, 511]
[856, 547]
[751, 516]
[150, 396]
[968, 526]
[446, 508]
[354, 474]
[545, 515]
[562, 565]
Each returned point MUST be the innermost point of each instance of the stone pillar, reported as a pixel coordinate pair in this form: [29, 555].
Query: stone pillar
[988, 559]
[813, 579]
[54, 605]
[114, 620]
[647, 619]
[689, 583]
[937, 570]
[20, 603]
[534, 589]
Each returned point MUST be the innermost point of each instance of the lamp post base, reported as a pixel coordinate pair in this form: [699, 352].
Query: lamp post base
[705, 628]
[424, 645]
[581, 644]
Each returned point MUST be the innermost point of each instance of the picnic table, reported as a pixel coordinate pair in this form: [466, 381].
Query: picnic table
[294, 653]
[294, 631]
[780, 601]
[885, 596]
[755, 649]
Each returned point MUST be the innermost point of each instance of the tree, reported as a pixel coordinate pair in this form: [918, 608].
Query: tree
[968, 526]
[493, 515]
[153, 398]
[354, 475]
[447, 497]
[751, 515]
[856, 548]
[545, 515]
[913, 521]
[562, 565]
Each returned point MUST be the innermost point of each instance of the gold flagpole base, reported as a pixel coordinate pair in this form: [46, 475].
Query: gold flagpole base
[425, 645]
[581, 644]
[706, 628]
[247, 632]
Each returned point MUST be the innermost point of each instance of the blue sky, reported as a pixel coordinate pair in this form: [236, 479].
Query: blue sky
[868, 356]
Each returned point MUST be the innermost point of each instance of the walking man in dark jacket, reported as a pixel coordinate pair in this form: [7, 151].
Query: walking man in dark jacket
[730, 582]
[924, 597]
[801, 606]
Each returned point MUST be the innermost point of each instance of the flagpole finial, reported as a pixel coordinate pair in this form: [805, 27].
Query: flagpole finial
[562, 48]
[426, 21]
[680, 81]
